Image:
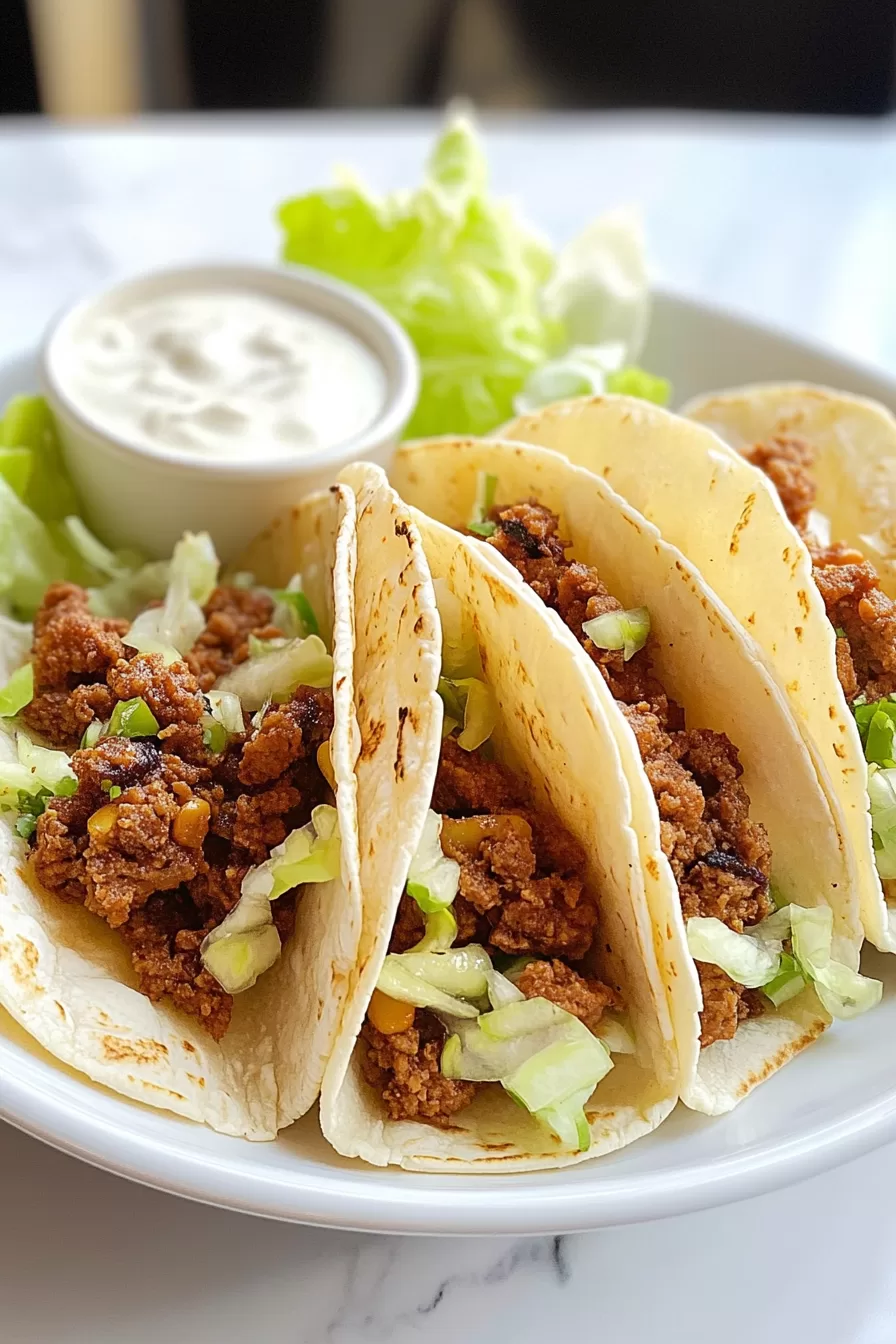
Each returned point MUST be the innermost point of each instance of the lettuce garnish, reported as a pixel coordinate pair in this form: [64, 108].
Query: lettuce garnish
[480, 294]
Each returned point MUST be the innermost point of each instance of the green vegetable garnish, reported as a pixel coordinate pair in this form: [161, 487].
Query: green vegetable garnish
[439, 933]
[470, 703]
[293, 613]
[18, 691]
[626, 630]
[275, 674]
[747, 959]
[486, 488]
[132, 718]
[246, 942]
[113, 790]
[634, 382]
[432, 876]
[460, 651]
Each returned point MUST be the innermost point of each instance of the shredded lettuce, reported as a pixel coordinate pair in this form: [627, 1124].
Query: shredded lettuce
[460, 651]
[758, 961]
[293, 613]
[486, 488]
[632, 381]
[246, 942]
[625, 630]
[432, 877]
[470, 706]
[882, 803]
[480, 294]
[275, 674]
[179, 622]
[399, 982]
[439, 932]
[18, 691]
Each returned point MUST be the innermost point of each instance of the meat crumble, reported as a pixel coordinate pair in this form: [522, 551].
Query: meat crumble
[162, 830]
[719, 855]
[521, 892]
[863, 615]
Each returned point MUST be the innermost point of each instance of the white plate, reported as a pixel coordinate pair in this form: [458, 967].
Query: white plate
[837, 1100]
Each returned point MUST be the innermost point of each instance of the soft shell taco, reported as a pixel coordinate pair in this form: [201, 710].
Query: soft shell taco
[508, 1009]
[179, 903]
[831, 458]
[724, 515]
[732, 821]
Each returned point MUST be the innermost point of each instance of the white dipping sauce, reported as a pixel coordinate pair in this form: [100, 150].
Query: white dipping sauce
[226, 373]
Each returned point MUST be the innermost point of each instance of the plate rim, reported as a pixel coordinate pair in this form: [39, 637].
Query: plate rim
[335, 1199]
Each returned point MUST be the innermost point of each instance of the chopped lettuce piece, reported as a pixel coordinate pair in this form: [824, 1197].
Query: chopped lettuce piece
[432, 876]
[27, 425]
[486, 487]
[309, 854]
[789, 981]
[460, 651]
[179, 622]
[396, 980]
[18, 691]
[843, 992]
[626, 630]
[226, 708]
[91, 549]
[616, 1035]
[243, 946]
[521, 1017]
[439, 932]
[293, 613]
[634, 382]
[132, 718]
[246, 942]
[748, 960]
[461, 972]
[38, 773]
[502, 991]
[468, 702]
[92, 733]
[276, 674]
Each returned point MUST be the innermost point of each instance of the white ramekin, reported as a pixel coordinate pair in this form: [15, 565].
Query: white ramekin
[145, 498]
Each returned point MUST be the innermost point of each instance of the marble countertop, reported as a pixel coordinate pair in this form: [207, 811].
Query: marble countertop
[790, 221]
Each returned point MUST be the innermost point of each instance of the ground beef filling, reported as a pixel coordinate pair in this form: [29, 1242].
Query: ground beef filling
[163, 861]
[858, 608]
[720, 857]
[521, 892]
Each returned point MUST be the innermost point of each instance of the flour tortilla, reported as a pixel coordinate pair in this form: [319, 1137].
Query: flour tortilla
[66, 977]
[726, 517]
[704, 662]
[855, 472]
[561, 742]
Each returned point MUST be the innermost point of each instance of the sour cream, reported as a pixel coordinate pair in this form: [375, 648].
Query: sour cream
[225, 373]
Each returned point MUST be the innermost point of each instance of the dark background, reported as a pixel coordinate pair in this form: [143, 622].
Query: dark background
[812, 56]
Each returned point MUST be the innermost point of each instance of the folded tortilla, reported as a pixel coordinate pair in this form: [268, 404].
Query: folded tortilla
[855, 473]
[561, 743]
[723, 514]
[704, 661]
[65, 976]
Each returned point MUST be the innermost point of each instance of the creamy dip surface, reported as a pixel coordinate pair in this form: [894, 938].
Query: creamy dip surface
[228, 373]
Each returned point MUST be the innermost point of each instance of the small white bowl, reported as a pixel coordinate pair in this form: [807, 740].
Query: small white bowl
[146, 497]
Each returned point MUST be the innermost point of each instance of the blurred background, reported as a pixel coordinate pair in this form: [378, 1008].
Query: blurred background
[113, 58]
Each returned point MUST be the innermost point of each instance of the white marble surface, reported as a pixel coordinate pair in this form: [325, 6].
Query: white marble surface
[793, 222]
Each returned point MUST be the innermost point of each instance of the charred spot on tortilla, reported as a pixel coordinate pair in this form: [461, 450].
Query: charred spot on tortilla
[741, 523]
[372, 734]
[398, 765]
[402, 529]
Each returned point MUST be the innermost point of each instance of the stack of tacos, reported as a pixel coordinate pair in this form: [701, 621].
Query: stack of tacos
[500, 805]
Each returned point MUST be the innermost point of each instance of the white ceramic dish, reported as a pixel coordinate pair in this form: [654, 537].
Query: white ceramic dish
[146, 497]
[837, 1100]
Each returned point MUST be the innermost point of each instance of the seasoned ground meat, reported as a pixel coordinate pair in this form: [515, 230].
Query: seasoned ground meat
[162, 831]
[232, 615]
[164, 938]
[288, 733]
[172, 693]
[586, 999]
[721, 858]
[857, 605]
[71, 654]
[521, 890]
[858, 608]
[404, 1069]
[787, 462]
[725, 1004]
[468, 783]
[527, 883]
